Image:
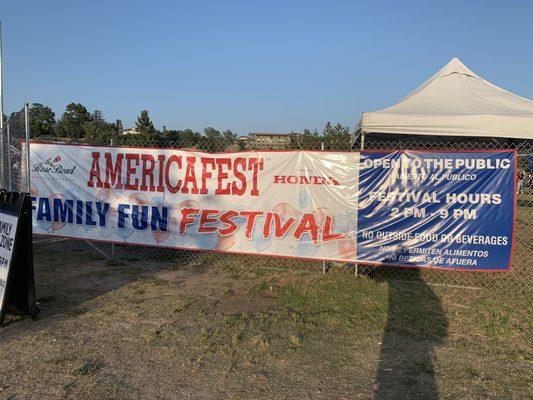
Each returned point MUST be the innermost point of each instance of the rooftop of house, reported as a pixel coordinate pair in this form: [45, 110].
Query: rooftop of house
[271, 134]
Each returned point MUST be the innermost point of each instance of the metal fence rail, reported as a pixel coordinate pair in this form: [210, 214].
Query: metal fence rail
[519, 279]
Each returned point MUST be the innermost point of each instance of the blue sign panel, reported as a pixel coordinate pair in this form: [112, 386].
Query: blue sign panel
[437, 209]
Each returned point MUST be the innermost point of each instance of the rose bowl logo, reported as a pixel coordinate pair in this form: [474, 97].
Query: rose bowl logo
[53, 166]
[52, 162]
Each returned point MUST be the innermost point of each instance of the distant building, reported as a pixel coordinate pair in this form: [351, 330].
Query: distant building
[130, 131]
[240, 144]
[273, 141]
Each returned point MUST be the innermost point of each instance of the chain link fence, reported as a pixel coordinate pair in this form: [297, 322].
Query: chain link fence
[518, 280]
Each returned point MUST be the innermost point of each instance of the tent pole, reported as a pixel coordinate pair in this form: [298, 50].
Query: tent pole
[323, 262]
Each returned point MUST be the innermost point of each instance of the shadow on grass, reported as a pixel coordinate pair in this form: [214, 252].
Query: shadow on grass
[69, 274]
[416, 324]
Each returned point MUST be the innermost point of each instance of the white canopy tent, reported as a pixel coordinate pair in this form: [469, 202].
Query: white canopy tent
[454, 102]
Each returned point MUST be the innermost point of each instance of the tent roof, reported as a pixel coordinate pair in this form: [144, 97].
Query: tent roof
[455, 102]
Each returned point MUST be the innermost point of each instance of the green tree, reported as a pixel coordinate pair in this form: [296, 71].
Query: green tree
[16, 123]
[229, 137]
[336, 137]
[42, 120]
[144, 125]
[97, 130]
[212, 140]
[171, 138]
[98, 117]
[71, 124]
[310, 141]
[188, 138]
[181, 138]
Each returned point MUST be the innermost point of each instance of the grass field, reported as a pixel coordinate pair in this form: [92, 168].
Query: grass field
[205, 331]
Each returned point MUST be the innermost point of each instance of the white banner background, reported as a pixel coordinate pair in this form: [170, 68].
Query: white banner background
[328, 191]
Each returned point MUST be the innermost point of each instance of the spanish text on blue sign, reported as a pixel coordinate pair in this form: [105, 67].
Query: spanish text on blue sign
[437, 209]
[419, 209]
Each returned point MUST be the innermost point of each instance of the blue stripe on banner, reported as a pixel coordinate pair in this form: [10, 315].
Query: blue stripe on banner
[433, 209]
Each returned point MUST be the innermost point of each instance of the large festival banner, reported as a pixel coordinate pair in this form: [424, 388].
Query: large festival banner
[418, 209]
[298, 204]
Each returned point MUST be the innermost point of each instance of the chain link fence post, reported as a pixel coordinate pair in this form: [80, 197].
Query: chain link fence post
[27, 144]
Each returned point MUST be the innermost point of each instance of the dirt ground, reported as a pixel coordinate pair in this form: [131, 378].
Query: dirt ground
[201, 330]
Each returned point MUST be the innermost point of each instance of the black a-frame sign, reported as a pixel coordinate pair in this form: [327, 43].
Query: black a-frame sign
[17, 287]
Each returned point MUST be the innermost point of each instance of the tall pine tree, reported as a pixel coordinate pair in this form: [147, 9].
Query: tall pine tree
[144, 125]
[71, 123]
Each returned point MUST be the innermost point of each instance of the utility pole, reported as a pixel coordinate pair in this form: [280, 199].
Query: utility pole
[2, 135]
[1, 85]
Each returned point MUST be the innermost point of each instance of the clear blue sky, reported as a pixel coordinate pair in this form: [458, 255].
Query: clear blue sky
[253, 65]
